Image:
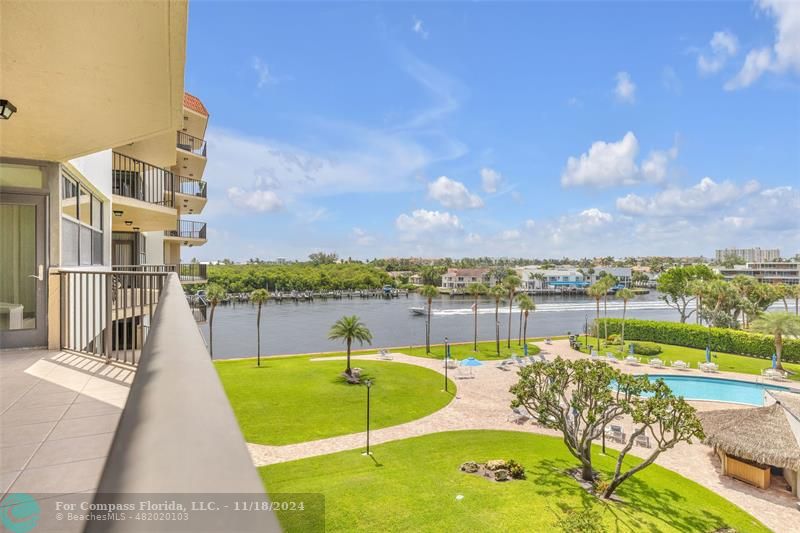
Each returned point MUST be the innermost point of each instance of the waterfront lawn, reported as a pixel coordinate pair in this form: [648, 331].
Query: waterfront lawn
[727, 362]
[292, 399]
[411, 485]
[487, 350]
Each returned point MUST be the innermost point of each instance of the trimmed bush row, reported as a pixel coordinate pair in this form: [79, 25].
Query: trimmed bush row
[694, 336]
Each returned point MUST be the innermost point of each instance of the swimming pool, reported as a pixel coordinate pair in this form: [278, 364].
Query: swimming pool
[718, 390]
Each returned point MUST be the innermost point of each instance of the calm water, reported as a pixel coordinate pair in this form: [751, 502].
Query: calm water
[302, 327]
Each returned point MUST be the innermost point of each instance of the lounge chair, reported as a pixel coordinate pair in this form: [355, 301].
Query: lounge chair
[631, 360]
[594, 356]
[611, 358]
[504, 364]
[680, 365]
[517, 359]
[655, 362]
[615, 433]
[773, 373]
[542, 358]
[548, 340]
[519, 415]
[708, 367]
[642, 440]
[384, 355]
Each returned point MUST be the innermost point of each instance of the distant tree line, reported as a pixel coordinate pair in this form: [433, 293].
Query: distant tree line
[297, 277]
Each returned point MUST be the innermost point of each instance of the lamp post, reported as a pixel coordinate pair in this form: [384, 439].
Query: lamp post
[446, 361]
[368, 383]
[586, 329]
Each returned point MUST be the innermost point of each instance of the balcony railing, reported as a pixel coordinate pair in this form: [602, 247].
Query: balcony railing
[188, 229]
[107, 314]
[193, 272]
[178, 437]
[190, 143]
[142, 181]
[191, 187]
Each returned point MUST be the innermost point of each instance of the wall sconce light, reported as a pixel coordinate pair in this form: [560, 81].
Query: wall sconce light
[117, 213]
[129, 222]
[7, 109]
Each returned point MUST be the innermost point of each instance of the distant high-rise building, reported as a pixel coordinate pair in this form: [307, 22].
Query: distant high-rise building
[748, 255]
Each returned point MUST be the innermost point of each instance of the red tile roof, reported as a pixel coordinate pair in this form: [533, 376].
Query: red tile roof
[192, 102]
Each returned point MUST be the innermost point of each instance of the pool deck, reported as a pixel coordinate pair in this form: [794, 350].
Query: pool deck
[483, 403]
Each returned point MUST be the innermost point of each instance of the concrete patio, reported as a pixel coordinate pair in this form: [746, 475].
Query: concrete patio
[58, 415]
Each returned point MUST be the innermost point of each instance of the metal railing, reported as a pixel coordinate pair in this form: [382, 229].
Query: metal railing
[142, 181]
[190, 143]
[144, 268]
[191, 187]
[193, 272]
[178, 434]
[107, 314]
[188, 229]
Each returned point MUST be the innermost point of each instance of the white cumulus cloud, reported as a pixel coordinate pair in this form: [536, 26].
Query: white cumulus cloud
[453, 194]
[362, 238]
[490, 179]
[422, 221]
[783, 56]
[695, 200]
[625, 89]
[614, 163]
[418, 27]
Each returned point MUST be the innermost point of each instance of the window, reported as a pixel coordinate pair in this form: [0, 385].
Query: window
[81, 225]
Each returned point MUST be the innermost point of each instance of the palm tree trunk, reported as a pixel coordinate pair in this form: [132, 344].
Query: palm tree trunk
[348, 371]
[428, 328]
[211, 332]
[624, 310]
[598, 324]
[519, 334]
[605, 316]
[525, 330]
[510, 315]
[475, 336]
[258, 334]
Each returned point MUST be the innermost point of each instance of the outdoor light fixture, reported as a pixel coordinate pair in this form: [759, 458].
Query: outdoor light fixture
[7, 109]
[117, 213]
[368, 383]
[129, 222]
[135, 228]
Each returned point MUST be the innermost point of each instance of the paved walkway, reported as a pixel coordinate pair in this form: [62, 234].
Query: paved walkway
[483, 403]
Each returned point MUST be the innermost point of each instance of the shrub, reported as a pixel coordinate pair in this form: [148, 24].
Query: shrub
[646, 348]
[586, 520]
[695, 336]
[614, 339]
[515, 470]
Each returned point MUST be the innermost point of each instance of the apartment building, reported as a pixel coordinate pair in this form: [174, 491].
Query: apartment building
[748, 255]
[461, 278]
[787, 272]
[101, 169]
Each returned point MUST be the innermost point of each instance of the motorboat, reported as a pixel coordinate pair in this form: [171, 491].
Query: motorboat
[417, 310]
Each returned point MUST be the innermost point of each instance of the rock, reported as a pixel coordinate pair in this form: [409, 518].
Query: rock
[469, 467]
[501, 475]
[495, 464]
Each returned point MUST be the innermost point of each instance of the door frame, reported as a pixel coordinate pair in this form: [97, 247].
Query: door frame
[35, 337]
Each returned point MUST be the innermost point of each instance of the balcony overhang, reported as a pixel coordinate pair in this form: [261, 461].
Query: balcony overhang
[189, 164]
[194, 123]
[185, 241]
[188, 204]
[88, 76]
[142, 215]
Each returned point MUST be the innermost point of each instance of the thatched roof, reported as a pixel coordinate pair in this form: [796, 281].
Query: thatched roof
[789, 400]
[761, 434]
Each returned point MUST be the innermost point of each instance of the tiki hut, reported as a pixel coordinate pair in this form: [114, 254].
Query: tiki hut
[751, 442]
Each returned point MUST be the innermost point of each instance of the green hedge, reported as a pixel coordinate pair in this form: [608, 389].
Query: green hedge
[646, 348]
[694, 336]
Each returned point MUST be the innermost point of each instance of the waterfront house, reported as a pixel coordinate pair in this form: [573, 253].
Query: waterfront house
[461, 278]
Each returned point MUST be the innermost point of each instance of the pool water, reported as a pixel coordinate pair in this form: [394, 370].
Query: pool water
[718, 390]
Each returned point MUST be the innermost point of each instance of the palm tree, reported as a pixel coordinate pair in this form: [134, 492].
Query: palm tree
[796, 294]
[214, 293]
[510, 284]
[697, 288]
[597, 291]
[497, 292]
[429, 292]
[349, 329]
[258, 297]
[778, 325]
[476, 290]
[526, 305]
[624, 294]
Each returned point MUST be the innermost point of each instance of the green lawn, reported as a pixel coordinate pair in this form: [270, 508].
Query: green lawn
[727, 362]
[412, 485]
[292, 399]
[487, 350]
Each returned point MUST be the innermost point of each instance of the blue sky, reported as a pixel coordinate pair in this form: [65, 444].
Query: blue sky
[504, 129]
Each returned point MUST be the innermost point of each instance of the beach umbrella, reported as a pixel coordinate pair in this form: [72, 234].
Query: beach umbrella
[525, 349]
[774, 361]
[708, 354]
[471, 362]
